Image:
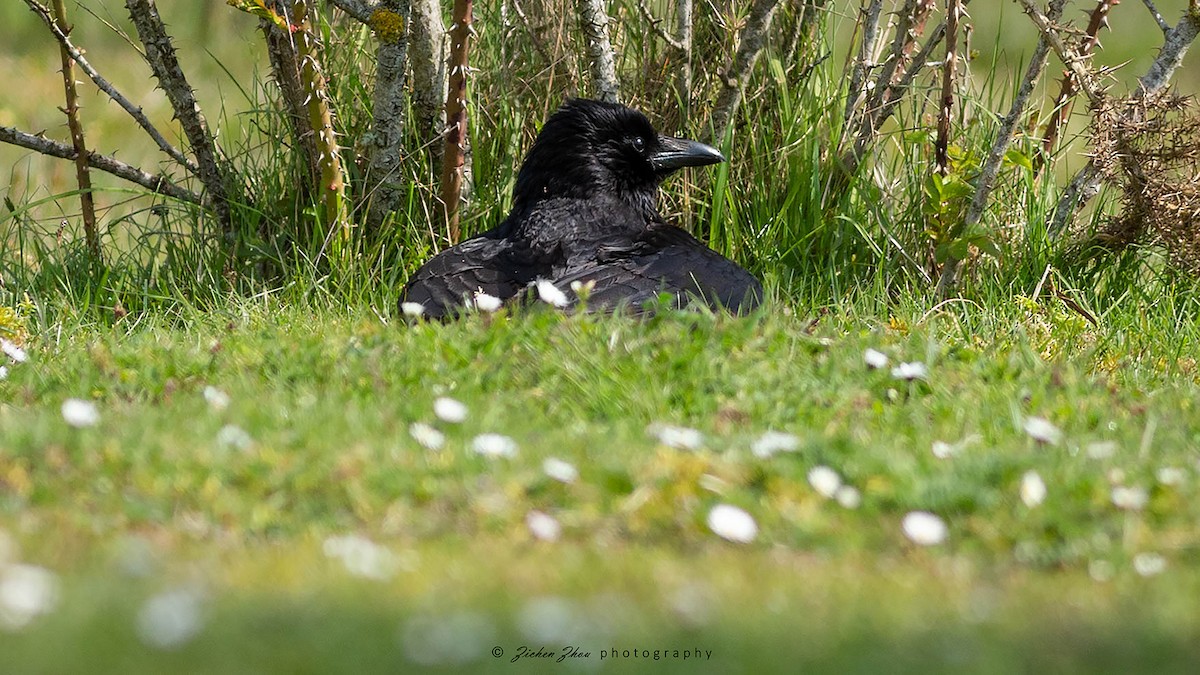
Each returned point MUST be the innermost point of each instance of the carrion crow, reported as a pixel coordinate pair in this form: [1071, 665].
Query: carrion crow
[585, 209]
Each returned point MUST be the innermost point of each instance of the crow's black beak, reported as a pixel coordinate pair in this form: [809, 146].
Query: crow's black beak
[676, 153]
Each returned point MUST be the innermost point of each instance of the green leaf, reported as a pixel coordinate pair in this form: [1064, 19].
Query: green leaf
[1015, 157]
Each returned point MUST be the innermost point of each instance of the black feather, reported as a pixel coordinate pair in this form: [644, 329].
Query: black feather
[585, 208]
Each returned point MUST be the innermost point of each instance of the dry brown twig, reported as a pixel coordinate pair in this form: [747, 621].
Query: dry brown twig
[82, 176]
[991, 164]
[1086, 183]
[454, 154]
[941, 146]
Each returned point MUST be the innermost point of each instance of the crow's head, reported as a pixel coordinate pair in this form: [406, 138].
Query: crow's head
[589, 147]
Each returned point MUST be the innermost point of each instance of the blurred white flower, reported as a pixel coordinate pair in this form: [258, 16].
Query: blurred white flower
[1149, 564]
[563, 472]
[80, 413]
[449, 410]
[875, 359]
[543, 526]
[1042, 431]
[550, 294]
[171, 619]
[233, 436]
[362, 557]
[494, 445]
[1171, 475]
[26, 591]
[12, 351]
[413, 310]
[487, 303]
[552, 620]
[1129, 498]
[825, 481]
[1100, 570]
[1033, 489]
[924, 528]
[848, 496]
[731, 523]
[773, 442]
[216, 398]
[447, 640]
[681, 438]
[582, 288]
[3, 372]
[944, 450]
[910, 371]
[426, 436]
[1101, 449]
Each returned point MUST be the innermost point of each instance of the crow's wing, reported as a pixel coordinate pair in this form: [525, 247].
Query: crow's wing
[449, 280]
[664, 259]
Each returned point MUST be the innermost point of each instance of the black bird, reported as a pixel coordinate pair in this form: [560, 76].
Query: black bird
[585, 209]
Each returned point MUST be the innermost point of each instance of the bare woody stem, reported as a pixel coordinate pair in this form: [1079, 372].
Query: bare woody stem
[359, 9]
[1068, 89]
[160, 184]
[160, 54]
[389, 102]
[991, 165]
[87, 201]
[427, 59]
[856, 94]
[107, 87]
[941, 158]
[751, 40]
[593, 21]
[454, 154]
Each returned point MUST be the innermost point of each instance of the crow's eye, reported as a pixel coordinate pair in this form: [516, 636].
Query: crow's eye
[639, 143]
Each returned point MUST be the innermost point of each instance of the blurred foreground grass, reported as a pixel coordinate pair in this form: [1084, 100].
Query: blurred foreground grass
[253, 498]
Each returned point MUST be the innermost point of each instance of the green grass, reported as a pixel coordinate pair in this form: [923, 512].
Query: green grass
[149, 499]
[231, 512]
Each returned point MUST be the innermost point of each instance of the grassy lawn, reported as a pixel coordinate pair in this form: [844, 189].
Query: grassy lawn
[253, 497]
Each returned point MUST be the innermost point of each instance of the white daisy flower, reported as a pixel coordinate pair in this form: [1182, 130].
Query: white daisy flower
[362, 557]
[733, 524]
[1171, 475]
[494, 445]
[171, 619]
[1149, 564]
[550, 294]
[1033, 489]
[681, 438]
[875, 359]
[559, 470]
[413, 310]
[487, 303]
[217, 399]
[914, 370]
[233, 436]
[773, 442]
[12, 351]
[80, 413]
[449, 410]
[1129, 498]
[26, 592]
[543, 526]
[825, 481]
[848, 496]
[1042, 431]
[924, 528]
[1101, 449]
[944, 450]
[426, 436]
